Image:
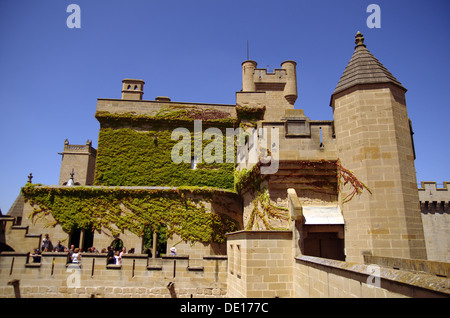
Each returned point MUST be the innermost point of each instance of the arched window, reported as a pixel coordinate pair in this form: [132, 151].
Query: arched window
[117, 244]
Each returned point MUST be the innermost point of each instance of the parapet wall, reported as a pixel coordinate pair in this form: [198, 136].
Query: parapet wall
[138, 276]
[435, 213]
[150, 108]
[265, 274]
[325, 278]
[429, 192]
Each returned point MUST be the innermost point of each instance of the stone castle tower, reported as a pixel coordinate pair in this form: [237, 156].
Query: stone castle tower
[341, 198]
[277, 91]
[370, 136]
[374, 141]
[79, 160]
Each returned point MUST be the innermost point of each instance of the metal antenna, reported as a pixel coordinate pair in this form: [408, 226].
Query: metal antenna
[247, 51]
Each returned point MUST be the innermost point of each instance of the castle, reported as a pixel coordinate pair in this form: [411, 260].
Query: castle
[286, 207]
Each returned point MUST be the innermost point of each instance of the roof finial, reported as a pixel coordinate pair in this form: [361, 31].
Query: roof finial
[71, 182]
[359, 39]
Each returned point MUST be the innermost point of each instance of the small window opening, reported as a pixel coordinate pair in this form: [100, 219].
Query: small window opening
[321, 140]
[194, 162]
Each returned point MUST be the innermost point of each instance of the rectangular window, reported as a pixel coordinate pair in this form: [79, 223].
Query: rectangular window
[231, 259]
[194, 162]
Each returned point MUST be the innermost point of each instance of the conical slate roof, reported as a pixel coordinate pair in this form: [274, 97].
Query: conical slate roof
[364, 68]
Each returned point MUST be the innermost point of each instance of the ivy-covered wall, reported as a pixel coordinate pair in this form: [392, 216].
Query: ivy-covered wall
[195, 214]
[135, 150]
[127, 157]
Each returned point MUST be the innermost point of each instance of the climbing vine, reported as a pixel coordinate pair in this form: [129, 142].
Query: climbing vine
[250, 113]
[245, 178]
[118, 209]
[127, 157]
[248, 116]
[345, 177]
[266, 212]
[173, 115]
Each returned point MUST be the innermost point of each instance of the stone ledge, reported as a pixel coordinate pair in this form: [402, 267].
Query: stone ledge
[421, 266]
[195, 268]
[425, 281]
[135, 256]
[56, 254]
[216, 257]
[175, 257]
[113, 266]
[14, 254]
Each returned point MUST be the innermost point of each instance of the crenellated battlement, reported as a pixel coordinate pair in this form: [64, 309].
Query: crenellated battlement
[87, 148]
[430, 192]
[279, 88]
[263, 75]
[136, 276]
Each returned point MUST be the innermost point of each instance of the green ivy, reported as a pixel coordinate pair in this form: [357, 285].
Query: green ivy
[267, 212]
[250, 113]
[166, 117]
[118, 209]
[126, 157]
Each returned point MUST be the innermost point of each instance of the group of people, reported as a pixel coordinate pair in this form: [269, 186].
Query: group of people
[74, 253]
[115, 257]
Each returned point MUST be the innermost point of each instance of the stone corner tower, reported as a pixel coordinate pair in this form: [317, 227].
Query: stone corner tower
[374, 141]
[79, 159]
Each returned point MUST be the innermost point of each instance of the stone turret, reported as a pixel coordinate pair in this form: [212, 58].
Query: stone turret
[373, 138]
[277, 91]
[79, 160]
[248, 70]
[290, 89]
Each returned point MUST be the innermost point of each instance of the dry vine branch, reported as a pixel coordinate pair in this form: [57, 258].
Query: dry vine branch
[346, 176]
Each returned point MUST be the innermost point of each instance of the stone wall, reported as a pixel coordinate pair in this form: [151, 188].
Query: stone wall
[28, 236]
[150, 108]
[260, 264]
[435, 211]
[137, 276]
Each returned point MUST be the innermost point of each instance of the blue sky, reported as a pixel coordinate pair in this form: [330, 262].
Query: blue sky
[191, 51]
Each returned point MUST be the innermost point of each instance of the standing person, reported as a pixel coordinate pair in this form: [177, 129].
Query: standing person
[110, 257]
[59, 247]
[76, 256]
[72, 247]
[47, 244]
[124, 251]
[173, 251]
[36, 256]
[117, 258]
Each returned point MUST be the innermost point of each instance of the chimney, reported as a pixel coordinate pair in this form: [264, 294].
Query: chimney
[132, 89]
